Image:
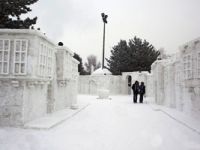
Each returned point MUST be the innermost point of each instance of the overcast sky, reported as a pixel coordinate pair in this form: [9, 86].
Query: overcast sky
[78, 23]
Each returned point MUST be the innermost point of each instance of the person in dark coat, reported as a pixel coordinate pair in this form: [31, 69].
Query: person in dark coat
[135, 88]
[142, 91]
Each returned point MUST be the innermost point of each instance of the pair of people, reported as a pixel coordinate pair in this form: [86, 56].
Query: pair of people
[138, 89]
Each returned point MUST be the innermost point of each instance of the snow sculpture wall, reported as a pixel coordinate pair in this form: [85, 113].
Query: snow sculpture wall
[158, 77]
[91, 84]
[27, 72]
[65, 87]
[181, 76]
[115, 84]
[190, 59]
[179, 87]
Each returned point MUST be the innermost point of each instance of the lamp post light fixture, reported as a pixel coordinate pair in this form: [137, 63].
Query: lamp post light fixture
[104, 18]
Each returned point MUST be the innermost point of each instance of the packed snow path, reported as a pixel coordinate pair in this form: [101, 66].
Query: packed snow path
[115, 124]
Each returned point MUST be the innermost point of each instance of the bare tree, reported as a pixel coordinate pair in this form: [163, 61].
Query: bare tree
[92, 64]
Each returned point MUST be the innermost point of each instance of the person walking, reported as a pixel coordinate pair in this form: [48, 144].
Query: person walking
[135, 88]
[142, 91]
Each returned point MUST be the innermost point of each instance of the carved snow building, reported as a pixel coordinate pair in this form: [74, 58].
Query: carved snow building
[36, 76]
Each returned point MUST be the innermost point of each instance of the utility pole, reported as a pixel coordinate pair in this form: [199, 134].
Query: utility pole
[104, 18]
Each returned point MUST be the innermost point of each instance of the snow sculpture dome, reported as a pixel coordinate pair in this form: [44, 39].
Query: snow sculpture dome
[101, 71]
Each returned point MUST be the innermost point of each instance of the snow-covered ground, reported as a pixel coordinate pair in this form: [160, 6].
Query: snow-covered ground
[115, 124]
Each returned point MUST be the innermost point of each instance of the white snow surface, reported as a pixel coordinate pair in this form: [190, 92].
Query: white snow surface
[115, 124]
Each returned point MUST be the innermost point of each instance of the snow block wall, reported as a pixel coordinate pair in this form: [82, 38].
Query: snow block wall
[177, 79]
[27, 72]
[11, 100]
[65, 83]
[90, 84]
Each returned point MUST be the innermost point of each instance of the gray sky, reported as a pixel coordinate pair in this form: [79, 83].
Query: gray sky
[78, 23]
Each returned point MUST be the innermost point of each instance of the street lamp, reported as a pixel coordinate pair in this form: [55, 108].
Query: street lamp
[104, 18]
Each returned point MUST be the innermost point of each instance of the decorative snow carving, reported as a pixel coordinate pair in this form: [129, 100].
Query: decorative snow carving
[15, 83]
[31, 84]
[62, 83]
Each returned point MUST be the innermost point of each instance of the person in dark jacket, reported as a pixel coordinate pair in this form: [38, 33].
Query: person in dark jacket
[142, 91]
[135, 88]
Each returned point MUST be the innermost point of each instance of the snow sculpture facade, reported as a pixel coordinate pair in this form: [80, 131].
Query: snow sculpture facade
[177, 79]
[28, 77]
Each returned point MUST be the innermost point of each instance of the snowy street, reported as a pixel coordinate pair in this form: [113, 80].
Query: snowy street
[115, 124]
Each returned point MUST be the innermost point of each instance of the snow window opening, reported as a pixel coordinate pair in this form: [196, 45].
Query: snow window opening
[187, 63]
[45, 61]
[20, 56]
[4, 56]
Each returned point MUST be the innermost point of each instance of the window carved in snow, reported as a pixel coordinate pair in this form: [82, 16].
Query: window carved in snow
[20, 57]
[45, 61]
[4, 56]
[187, 64]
